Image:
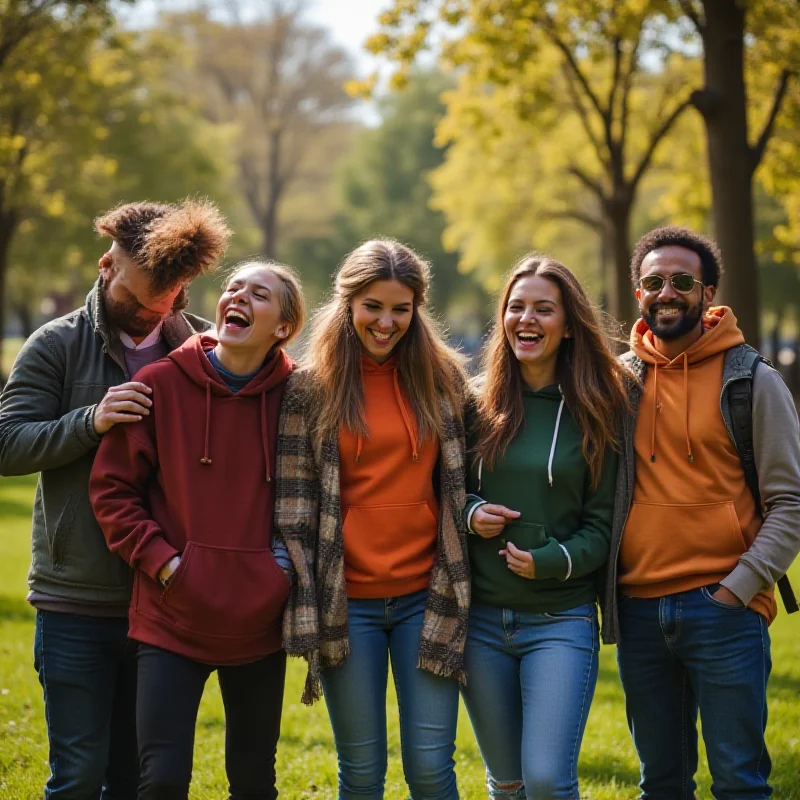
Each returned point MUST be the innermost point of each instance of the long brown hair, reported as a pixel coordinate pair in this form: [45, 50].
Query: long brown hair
[590, 376]
[427, 367]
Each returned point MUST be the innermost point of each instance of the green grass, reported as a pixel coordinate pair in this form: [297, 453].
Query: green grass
[306, 758]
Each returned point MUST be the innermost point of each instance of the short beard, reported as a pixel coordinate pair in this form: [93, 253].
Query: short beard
[124, 316]
[690, 317]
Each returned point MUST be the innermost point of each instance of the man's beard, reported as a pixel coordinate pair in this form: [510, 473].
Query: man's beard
[125, 316]
[690, 316]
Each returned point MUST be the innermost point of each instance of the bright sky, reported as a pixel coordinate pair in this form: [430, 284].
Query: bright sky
[350, 23]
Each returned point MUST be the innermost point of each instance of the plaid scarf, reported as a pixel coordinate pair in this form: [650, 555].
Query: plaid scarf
[308, 518]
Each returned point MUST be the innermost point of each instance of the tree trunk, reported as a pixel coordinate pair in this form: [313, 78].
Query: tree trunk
[269, 225]
[8, 226]
[619, 292]
[723, 105]
[25, 317]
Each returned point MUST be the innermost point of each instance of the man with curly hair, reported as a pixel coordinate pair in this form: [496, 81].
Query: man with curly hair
[71, 383]
[707, 520]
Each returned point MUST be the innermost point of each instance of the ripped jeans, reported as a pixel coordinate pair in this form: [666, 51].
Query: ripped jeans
[531, 682]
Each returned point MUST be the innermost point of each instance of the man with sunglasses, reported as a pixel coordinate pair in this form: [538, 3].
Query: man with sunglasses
[71, 383]
[697, 557]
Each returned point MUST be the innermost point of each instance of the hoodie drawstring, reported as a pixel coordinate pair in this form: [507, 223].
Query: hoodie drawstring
[265, 435]
[655, 412]
[480, 473]
[555, 439]
[689, 453]
[359, 446]
[206, 459]
[409, 427]
[686, 406]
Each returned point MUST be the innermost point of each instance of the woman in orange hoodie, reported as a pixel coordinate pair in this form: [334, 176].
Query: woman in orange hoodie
[186, 497]
[369, 498]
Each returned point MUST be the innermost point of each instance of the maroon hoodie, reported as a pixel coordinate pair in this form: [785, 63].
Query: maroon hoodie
[195, 479]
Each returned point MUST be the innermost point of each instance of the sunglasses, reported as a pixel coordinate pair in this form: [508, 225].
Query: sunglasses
[683, 282]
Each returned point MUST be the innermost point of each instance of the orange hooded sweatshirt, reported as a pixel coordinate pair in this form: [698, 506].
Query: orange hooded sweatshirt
[692, 514]
[389, 506]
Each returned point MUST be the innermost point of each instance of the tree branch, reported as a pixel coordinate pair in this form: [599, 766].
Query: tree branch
[588, 182]
[573, 63]
[578, 216]
[690, 11]
[757, 152]
[656, 138]
[577, 102]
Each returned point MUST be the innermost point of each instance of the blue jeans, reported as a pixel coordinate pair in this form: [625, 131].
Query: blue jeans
[688, 651]
[530, 683]
[355, 693]
[87, 669]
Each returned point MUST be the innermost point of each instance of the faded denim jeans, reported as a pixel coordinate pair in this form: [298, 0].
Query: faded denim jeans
[355, 693]
[685, 652]
[530, 683]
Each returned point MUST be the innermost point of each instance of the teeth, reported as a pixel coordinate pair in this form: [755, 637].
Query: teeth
[234, 314]
[381, 337]
[529, 337]
[667, 312]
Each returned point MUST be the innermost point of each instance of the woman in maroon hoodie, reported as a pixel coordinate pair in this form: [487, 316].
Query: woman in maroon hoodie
[186, 497]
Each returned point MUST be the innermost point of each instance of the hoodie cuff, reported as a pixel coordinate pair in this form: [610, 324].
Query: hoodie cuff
[744, 583]
[550, 561]
[470, 510]
[156, 555]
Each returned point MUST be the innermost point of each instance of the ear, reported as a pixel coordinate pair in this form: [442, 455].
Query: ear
[106, 262]
[709, 293]
[283, 330]
[638, 295]
[567, 333]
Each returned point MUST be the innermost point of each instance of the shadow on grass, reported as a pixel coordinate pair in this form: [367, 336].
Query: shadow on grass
[15, 609]
[15, 508]
[607, 768]
[785, 683]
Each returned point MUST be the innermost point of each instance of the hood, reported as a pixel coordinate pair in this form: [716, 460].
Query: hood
[720, 333]
[192, 360]
[371, 368]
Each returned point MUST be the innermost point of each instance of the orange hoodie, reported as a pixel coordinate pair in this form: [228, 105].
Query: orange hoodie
[672, 542]
[389, 507]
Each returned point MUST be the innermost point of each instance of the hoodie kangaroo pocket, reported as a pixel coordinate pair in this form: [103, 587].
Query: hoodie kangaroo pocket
[224, 591]
[662, 542]
[524, 535]
[389, 542]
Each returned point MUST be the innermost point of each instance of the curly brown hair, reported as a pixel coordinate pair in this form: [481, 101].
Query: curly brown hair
[173, 243]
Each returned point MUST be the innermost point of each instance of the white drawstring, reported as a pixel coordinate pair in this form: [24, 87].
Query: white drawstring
[555, 439]
[480, 473]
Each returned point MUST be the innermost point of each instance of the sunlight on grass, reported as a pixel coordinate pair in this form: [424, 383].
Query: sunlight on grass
[306, 758]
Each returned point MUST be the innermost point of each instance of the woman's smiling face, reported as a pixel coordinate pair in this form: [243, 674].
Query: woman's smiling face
[382, 314]
[249, 311]
[535, 321]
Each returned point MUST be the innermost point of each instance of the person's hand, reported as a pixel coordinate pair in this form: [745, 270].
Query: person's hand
[127, 402]
[519, 561]
[488, 520]
[726, 596]
[168, 570]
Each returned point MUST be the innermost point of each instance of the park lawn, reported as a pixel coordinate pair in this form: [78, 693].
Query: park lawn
[306, 758]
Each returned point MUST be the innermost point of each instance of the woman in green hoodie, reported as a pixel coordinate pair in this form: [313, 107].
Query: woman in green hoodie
[543, 441]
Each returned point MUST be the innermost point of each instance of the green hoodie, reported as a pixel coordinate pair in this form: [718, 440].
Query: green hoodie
[543, 475]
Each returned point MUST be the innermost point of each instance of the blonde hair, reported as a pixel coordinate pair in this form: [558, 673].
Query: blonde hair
[292, 302]
[427, 367]
[590, 376]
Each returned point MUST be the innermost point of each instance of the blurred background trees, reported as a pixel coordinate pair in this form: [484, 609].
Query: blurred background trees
[569, 127]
